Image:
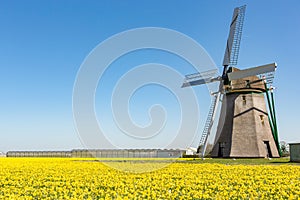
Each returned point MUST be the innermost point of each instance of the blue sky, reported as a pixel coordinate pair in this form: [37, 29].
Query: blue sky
[43, 44]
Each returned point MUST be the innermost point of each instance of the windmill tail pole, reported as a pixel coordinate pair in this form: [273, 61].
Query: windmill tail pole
[272, 118]
[275, 122]
[272, 129]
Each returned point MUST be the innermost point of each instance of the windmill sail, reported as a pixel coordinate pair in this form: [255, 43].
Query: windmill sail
[234, 38]
[200, 78]
[252, 71]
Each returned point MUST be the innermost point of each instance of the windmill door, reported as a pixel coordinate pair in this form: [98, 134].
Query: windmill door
[221, 149]
[268, 149]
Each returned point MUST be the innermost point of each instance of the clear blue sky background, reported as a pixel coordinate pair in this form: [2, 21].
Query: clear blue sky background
[43, 43]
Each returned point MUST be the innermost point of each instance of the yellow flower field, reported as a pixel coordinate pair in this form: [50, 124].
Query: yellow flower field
[62, 178]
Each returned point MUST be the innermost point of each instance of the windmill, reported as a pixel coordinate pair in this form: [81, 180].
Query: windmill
[246, 127]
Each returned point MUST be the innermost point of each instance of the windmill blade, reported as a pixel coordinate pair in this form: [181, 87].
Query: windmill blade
[234, 38]
[198, 75]
[210, 120]
[200, 78]
[200, 81]
[269, 68]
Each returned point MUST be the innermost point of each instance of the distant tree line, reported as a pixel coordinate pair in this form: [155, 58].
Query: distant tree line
[284, 147]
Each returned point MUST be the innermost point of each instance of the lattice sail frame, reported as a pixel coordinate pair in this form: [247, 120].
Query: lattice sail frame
[234, 38]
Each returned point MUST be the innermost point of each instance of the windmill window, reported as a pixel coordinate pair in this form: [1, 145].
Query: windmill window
[244, 100]
[222, 144]
[262, 120]
[247, 83]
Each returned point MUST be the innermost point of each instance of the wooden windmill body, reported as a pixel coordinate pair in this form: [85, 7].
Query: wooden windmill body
[243, 129]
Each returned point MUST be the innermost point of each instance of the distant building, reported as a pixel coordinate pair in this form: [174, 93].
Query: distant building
[294, 152]
[128, 153]
[38, 154]
[102, 153]
[191, 151]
